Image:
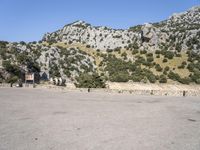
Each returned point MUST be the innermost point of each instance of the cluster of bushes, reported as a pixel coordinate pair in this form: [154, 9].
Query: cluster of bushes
[11, 68]
[117, 36]
[133, 46]
[162, 79]
[183, 65]
[167, 54]
[28, 59]
[3, 49]
[143, 52]
[86, 80]
[137, 28]
[135, 51]
[121, 76]
[54, 70]
[14, 59]
[3, 44]
[117, 49]
[195, 77]
[176, 77]
[194, 66]
[158, 68]
[14, 71]
[191, 42]
[149, 57]
[117, 70]
[124, 55]
[81, 26]
[3, 53]
[109, 50]
[123, 71]
[88, 46]
[72, 60]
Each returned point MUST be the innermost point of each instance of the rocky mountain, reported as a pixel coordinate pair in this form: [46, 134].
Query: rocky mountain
[97, 37]
[167, 51]
[176, 32]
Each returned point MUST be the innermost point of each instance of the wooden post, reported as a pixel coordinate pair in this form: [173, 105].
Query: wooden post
[25, 79]
[33, 80]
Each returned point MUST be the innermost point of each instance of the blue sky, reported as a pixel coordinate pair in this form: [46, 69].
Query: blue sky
[28, 20]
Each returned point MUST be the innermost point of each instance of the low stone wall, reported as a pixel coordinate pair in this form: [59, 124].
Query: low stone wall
[148, 92]
[158, 90]
[5, 85]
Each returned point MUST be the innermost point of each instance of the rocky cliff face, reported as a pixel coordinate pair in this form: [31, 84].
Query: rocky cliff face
[96, 37]
[176, 32]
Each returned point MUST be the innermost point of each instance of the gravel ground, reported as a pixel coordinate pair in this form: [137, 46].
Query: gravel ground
[41, 119]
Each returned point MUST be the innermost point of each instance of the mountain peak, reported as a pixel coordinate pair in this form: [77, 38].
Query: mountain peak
[79, 23]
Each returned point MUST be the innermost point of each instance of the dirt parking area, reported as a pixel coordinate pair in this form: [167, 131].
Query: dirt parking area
[41, 119]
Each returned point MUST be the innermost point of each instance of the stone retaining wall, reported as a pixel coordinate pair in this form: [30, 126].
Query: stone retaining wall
[189, 91]
[6, 85]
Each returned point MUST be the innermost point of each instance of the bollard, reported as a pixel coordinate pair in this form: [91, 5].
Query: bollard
[184, 93]
[151, 92]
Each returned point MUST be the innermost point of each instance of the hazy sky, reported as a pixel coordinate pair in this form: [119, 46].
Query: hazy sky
[28, 20]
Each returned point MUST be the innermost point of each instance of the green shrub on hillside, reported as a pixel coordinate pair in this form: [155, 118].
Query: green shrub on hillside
[54, 71]
[163, 79]
[137, 28]
[174, 76]
[119, 77]
[191, 67]
[88, 46]
[151, 77]
[11, 68]
[3, 44]
[185, 80]
[124, 55]
[150, 59]
[12, 79]
[158, 67]
[3, 54]
[157, 56]
[169, 54]
[85, 80]
[133, 46]
[143, 52]
[195, 77]
[166, 68]
[164, 60]
[135, 51]
[157, 52]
